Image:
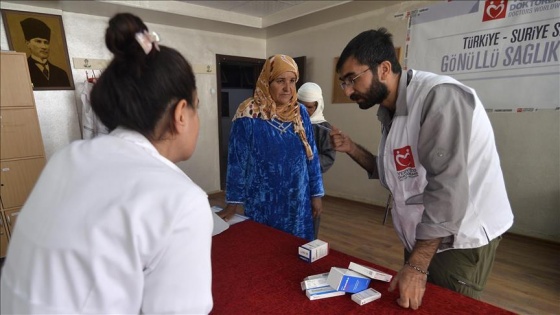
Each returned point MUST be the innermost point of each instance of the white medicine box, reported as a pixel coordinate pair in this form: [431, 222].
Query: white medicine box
[313, 250]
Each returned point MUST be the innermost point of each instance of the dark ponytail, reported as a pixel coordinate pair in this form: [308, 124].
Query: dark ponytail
[137, 90]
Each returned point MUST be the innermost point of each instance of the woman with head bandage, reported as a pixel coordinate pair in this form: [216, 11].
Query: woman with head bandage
[311, 96]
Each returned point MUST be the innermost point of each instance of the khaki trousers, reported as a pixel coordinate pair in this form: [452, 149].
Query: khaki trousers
[463, 270]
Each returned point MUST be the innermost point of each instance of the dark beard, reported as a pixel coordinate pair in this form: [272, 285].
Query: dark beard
[375, 95]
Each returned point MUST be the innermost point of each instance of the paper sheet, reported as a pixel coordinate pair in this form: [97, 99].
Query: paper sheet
[219, 224]
[235, 219]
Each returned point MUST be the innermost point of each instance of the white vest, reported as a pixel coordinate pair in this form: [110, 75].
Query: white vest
[488, 213]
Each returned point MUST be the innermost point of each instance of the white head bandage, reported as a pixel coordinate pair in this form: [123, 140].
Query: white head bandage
[311, 92]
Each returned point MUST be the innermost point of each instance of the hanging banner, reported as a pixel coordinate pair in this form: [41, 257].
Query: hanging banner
[508, 51]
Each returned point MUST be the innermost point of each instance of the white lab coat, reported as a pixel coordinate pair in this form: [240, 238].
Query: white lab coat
[110, 227]
[91, 124]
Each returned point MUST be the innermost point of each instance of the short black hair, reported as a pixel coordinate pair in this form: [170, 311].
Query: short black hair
[370, 48]
[137, 90]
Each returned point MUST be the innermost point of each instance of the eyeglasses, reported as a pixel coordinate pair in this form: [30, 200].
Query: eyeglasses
[349, 82]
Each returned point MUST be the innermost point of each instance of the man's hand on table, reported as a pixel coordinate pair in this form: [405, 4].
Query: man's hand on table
[412, 285]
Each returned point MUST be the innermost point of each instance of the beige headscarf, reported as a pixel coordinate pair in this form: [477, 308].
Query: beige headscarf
[262, 106]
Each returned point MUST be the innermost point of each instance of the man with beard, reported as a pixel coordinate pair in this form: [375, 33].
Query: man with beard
[43, 73]
[439, 160]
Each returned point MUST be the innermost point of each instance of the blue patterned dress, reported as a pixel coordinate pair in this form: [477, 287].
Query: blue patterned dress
[269, 173]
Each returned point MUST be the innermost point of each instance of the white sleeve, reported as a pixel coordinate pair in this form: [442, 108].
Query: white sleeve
[87, 113]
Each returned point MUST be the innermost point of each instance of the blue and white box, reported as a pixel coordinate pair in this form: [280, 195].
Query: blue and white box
[347, 280]
[317, 276]
[322, 293]
[315, 281]
[313, 250]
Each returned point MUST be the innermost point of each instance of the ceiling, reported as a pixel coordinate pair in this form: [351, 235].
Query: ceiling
[264, 9]
[255, 14]
[260, 19]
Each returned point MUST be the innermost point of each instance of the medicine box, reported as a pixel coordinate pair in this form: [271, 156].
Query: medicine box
[322, 293]
[316, 281]
[347, 280]
[370, 272]
[321, 275]
[313, 250]
[366, 296]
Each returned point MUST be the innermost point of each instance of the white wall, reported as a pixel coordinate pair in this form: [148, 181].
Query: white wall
[57, 110]
[528, 143]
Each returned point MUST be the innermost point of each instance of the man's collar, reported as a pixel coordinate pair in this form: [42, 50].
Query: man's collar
[37, 60]
[400, 107]
[384, 115]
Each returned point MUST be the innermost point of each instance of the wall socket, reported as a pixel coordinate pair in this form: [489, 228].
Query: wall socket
[90, 64]
[204, 69]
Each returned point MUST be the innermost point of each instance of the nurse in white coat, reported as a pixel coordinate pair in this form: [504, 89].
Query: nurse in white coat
[113, 225]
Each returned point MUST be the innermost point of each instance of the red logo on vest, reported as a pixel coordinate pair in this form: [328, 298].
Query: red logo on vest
[494, 10]
[403, 158]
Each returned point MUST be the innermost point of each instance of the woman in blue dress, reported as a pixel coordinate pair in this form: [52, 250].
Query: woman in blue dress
[273, 165]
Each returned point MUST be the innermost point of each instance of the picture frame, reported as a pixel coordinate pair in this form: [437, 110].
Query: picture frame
[48, 60]
[338, 95]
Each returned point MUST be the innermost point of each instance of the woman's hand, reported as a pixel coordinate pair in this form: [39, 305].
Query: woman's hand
[316, 206]
[228, 212]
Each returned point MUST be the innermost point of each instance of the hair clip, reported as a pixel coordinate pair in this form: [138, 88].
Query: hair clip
[147, 40]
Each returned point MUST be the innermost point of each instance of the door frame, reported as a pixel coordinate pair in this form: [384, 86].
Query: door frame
[257, 65]
[221, 60]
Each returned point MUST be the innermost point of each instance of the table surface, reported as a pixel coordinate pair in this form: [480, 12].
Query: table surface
[256, 270]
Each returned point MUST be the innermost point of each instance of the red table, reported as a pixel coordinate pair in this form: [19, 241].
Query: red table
[256, 270]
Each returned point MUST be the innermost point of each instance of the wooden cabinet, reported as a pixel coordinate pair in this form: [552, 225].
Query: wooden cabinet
[17, 178]
[21, 128]
[10, 218]
[3, 236]
[22, 154]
